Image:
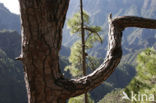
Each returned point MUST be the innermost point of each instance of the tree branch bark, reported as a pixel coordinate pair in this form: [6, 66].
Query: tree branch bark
[116, 26]
[133, 21]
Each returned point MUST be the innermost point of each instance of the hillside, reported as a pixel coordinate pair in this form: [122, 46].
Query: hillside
[10, 42]
[11, 73]
[12, 86]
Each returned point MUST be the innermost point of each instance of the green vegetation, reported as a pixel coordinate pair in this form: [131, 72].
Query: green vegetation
[145, 80]
[80, 99]
[143, 83]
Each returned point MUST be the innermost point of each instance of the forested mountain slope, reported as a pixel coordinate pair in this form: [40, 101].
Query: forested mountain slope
[12, 86]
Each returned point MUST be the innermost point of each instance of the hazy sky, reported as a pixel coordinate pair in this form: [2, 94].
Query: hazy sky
[12, 5]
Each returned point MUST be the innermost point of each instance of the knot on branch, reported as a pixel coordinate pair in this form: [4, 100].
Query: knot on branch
[19, 58]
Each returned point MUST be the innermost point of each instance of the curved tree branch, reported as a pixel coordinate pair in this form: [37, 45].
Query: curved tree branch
[76, 87]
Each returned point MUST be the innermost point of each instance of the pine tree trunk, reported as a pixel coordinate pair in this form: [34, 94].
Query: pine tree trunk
[42, 23]
[83, 48]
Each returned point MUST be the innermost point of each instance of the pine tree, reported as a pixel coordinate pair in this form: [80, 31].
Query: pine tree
[91, 36]
[144, 81]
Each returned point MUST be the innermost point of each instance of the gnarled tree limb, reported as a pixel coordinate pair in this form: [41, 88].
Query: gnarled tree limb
[76, 87]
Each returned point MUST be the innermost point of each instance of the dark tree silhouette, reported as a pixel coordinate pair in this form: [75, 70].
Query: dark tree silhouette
[42, 23]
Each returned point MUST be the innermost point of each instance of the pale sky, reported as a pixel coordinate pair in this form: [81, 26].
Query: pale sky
[12, 5]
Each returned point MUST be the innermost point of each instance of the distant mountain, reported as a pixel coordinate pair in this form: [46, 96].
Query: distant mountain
[65, 51]
[10, 42]
[8, 20]
[12, 85]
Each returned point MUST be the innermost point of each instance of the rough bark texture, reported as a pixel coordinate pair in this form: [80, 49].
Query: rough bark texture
[42, 22]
